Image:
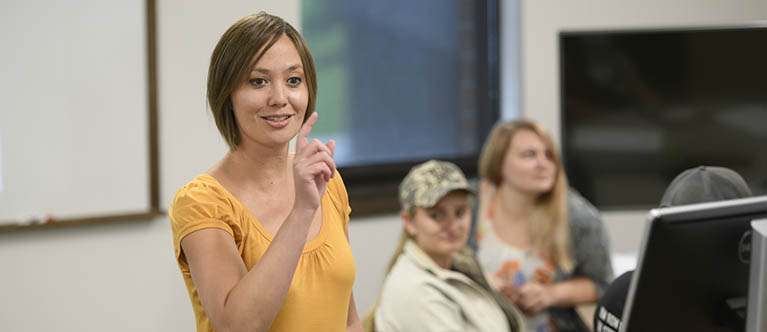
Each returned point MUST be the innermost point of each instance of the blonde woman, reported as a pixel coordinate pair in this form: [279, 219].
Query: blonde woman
[434, 282]
[533, 252]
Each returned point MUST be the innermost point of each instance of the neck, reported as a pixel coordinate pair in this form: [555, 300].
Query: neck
[513, 205]
[443, 262]
[257, 166]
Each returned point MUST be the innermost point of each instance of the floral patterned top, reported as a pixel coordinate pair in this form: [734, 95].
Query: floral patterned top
[514, 267]
[591, 249]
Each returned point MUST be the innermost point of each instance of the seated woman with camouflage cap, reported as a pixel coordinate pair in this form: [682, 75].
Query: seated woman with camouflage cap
[434, 282]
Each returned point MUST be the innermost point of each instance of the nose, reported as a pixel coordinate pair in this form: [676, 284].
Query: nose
[278, 98]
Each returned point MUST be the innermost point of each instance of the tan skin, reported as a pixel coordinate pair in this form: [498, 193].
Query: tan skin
[283, 191]
[441, 230]
[530, 171]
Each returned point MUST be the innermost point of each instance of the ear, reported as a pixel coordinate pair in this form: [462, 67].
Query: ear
[408, 223]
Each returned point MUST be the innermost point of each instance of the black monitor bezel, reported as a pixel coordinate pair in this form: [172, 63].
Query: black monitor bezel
[749, 208]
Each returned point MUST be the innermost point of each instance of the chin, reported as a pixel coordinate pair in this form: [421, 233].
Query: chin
[543, 188]
[451, 248]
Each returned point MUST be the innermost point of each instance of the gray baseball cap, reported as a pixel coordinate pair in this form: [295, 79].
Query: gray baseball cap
[705, 184]
[429, 182]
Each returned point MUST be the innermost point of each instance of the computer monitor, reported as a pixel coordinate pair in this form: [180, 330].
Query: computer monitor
[693, 268]
[757, 287]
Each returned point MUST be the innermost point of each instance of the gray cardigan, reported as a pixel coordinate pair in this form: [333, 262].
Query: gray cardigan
[591, 248]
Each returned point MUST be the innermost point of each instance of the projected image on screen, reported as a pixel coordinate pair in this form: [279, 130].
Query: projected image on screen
[640, 106]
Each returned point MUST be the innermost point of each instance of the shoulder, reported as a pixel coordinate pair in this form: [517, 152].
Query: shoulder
[202, 189]
[405, 276]
[415, 297]
[336, 191]
[201, 199]
[408, 281]
[585, 222]
[412, 300]
[465, 261]
[582, 214]
[201, 203]
[336, 186]
[426, 309]
[591, 245]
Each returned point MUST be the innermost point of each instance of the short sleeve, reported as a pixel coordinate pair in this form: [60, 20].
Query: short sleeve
[337, 192]
[197, 206]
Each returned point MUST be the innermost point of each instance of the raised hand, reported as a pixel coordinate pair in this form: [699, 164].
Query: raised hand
[313, 166]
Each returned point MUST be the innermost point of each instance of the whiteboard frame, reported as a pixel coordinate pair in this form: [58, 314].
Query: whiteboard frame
[154, 187]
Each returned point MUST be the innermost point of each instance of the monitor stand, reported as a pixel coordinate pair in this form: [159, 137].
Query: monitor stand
[732, 314]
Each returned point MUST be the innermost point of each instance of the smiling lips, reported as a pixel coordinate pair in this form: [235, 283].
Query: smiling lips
[452, 237]
[277, 121]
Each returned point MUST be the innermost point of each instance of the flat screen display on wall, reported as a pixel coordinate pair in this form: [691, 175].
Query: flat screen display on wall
[640, 106]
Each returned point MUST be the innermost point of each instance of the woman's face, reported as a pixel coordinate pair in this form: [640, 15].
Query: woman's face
[270, 105]
[528, 165]
[442, 229]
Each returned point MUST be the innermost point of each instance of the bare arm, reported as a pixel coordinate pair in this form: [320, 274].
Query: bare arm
[574, 291]
[239, 300]
[534, 297]
[353, 323]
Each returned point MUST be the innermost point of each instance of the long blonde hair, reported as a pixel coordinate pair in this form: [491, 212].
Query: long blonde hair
[550, 231]
[367, 321]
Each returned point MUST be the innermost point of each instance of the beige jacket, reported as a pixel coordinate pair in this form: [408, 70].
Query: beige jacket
[418, 295]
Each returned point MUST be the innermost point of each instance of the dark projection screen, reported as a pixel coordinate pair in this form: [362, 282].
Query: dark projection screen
[640, 106]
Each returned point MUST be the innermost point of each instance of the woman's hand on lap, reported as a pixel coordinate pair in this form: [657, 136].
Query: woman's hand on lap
[534, 297]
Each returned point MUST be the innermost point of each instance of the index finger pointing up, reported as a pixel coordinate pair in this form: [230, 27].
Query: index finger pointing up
[306, 128]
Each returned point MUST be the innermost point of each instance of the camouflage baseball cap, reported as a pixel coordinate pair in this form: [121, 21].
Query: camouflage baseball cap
[427, 183]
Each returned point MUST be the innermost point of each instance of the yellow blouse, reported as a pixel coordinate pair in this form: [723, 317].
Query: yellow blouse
[318, 298]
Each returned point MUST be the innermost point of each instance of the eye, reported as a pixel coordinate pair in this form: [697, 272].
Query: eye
[460, 212]
[257, 82]
[528, 154]
[294, 81]
[436, 216]
[549, 155]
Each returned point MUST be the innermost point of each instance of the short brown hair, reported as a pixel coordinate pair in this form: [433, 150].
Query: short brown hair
[233, 58]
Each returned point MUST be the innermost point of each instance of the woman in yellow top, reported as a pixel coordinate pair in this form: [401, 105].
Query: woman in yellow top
[261, 238]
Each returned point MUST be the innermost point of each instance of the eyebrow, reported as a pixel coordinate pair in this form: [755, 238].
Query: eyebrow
[267, 71]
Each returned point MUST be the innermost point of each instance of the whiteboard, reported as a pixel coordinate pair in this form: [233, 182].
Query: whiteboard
[74, 133]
